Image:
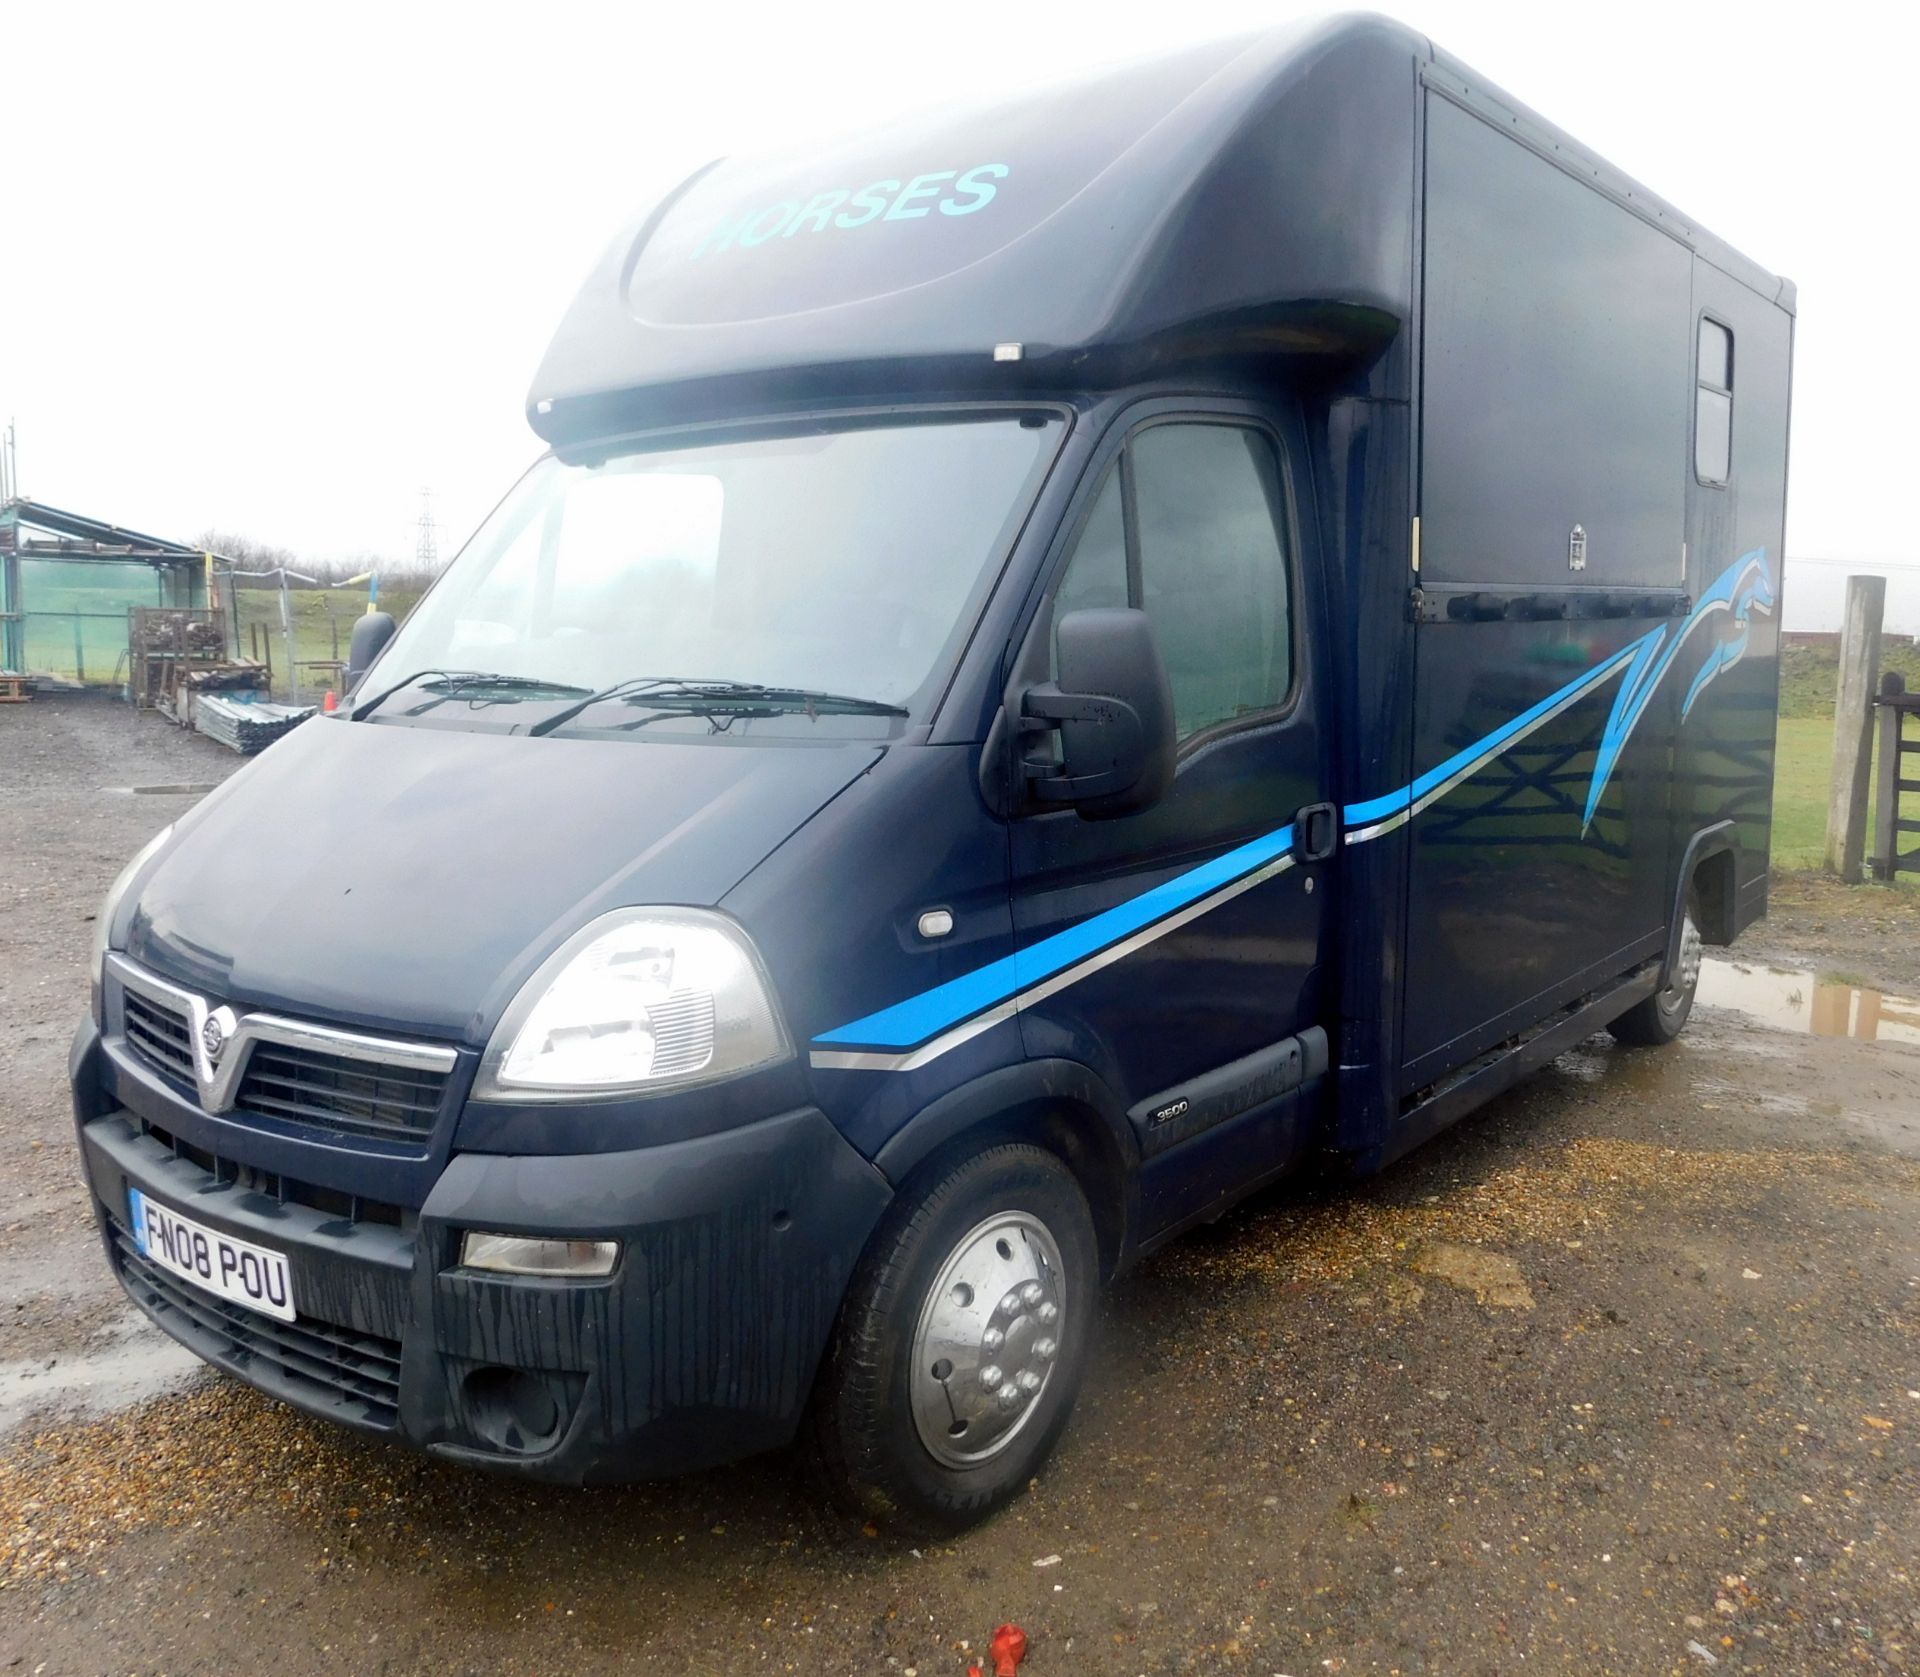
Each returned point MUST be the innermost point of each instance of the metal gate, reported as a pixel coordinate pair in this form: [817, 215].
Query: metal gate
[1899, 774]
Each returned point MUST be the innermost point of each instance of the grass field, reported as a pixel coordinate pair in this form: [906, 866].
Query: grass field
[323, 621]
[1808, 675]
[1803, 760]
[1802, 774]
[1802, 780]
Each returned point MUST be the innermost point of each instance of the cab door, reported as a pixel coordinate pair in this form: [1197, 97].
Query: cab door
[1178, 951]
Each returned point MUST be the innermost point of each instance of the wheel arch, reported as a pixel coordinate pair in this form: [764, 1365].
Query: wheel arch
[1060, 1105]
[1707, 874]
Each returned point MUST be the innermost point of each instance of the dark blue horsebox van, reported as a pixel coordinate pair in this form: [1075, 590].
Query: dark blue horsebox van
[1064, 660]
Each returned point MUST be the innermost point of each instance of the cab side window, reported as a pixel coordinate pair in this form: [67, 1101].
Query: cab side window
[1187, 528]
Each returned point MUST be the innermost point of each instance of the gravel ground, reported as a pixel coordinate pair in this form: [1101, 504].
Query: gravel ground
[70, 817]
[1622, 1375]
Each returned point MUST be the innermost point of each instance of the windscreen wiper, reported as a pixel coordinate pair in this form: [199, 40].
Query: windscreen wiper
[467, 681]
[812, 700]
[704, 696]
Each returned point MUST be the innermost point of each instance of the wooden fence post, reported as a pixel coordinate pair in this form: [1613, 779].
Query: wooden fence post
[1853, 726]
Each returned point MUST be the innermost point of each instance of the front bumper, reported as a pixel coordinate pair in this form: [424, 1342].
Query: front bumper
[701, 1347]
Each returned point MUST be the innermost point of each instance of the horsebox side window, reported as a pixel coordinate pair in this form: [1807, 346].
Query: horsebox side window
[1713, 405]
[1210, 571]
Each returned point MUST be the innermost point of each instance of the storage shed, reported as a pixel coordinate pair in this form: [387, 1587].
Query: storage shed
[67, 584]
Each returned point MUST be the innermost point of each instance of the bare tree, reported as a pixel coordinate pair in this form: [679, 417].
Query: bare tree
[246, 553]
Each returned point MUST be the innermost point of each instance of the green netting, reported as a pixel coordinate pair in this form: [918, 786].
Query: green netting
[74, 617]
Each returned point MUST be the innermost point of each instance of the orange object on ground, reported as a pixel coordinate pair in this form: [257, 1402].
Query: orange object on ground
[1009, 1648]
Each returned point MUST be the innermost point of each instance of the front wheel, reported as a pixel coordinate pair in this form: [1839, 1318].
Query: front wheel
[1662, 1016]
[962, 1342]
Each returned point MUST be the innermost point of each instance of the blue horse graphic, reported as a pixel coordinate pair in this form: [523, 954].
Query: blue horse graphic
[1744, 587]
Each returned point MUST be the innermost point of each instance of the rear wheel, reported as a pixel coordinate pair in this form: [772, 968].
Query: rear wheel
[962, 1342]
[1663, 1015]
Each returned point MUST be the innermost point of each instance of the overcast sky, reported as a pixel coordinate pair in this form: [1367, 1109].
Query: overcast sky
[274, 268]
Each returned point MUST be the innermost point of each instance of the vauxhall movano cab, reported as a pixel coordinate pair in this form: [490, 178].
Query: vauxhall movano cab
[1063, 661]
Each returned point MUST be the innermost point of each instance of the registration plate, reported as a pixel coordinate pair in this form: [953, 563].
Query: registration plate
[216, 1263]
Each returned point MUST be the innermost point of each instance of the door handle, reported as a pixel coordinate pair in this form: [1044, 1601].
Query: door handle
[1316, 833]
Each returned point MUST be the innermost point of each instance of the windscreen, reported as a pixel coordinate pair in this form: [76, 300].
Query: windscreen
[851, 561]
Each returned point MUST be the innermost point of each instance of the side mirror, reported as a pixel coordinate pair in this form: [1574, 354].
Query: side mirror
[371, 632]
[1113, 711]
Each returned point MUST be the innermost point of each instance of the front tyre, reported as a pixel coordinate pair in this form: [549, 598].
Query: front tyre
[1662, 1016]
[961, 1344]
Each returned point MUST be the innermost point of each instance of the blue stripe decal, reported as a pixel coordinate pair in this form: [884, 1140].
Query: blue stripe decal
[919, 1017]
[1744, 586]
[1499, 737]
[1358, 815]
[1377, 809]
[927, 1014]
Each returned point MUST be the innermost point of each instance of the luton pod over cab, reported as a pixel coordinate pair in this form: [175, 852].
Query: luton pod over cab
[1062, 661]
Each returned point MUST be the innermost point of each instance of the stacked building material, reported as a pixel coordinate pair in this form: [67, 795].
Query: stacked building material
[242, 678]
[164, 643]
[244, 726]
[239, 675]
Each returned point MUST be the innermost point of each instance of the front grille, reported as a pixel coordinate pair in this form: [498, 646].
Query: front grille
[160, 1035]
[356, 1375]
[336, 1092]
[349, 1089]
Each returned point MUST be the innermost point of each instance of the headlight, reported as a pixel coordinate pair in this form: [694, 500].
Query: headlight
[110, 905]
[643, 999]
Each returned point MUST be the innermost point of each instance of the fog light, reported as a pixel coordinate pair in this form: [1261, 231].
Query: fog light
[515, 1410]
[514, 1254]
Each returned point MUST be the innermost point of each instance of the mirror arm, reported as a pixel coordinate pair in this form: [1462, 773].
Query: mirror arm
[1044, 708]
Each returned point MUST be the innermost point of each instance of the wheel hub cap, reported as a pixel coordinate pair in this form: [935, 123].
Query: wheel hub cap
[988, 1340]
[1686, 970]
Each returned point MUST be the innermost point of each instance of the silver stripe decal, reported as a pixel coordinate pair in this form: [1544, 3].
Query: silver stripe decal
[1360, 835]
[844, 1060]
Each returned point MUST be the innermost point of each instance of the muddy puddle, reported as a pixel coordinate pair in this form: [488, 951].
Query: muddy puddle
[1809, 1002]
[127, 1362]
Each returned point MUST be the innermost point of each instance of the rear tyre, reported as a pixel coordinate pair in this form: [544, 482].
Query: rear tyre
[1663, 1016]
[961, 1344]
